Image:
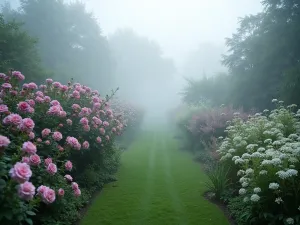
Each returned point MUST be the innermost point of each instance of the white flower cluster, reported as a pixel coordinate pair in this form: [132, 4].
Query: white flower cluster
[266, 149]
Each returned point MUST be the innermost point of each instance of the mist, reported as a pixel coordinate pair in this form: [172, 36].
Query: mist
[150, 112]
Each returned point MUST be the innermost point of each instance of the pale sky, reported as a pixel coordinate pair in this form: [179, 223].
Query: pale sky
[177, 25]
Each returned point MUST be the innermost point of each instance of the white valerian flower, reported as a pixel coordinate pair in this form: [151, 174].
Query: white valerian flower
[273, 186]
[268, 141]
[249, 171]
[256, 155]
[293, 136]
[290, 220]
[282, 174]
[235, 158]
[266, 110]
[263, 172]
[257, 190]
[276, 143]
[242, 191]
[292, 172]
[261, 149]
[246, 199]
[274, 100]
[240, 172]
[293, 160]
[254, 198]
[246, 156]
[245, 184]
[276, 161]
[231, 150]
[278, 200]
[239, 161]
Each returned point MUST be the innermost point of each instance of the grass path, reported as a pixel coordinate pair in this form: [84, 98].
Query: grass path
[157, 185]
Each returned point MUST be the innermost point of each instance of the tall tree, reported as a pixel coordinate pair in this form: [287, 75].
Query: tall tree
[265, 52]
[69, 41]
[18, 51]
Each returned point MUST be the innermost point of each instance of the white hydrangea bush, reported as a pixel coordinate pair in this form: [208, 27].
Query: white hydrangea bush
[265, 151]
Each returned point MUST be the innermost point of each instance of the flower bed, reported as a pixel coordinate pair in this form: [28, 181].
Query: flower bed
[263, 155]
[56, 148]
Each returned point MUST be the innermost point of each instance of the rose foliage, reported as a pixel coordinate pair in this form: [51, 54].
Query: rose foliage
[56, 148]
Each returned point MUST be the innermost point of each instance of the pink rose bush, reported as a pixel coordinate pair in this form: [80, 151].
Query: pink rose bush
[50, 130]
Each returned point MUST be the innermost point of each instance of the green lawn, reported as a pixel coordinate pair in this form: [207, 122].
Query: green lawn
[157, 184]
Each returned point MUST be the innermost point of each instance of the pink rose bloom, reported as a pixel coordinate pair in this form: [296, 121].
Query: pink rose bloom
[57, 136]
[62, 114]
[47, 99]
[85, 145]
[109, 112]
[4, 141]
[2, 76]
[56, 84]
[76, 95]
[73, 142]
[54, 103]
[13, 93]
[20, 172]
[48, 196]
[32, 86]
[113, 129]
[6, 86]
[52, 169]
[75, 107]
[29, 147]
[48, 161]
[86, 128]
[64, 88]
[78, 88]
[61, 192]
[95, 92]
[41, 189]
[68, 165]
[84, 121]
[46, 132]
[13, 119]
[107, 137]
[47, 142]
[74, 186]
[68, 177]
[77, 192]
[54, 110]
[39, 140]
[23, 107]
[25, 160]
[95, 99]
[25, 86]
[18, 75]
[31, 110]
[35, 160]
[69, 122]
[98, 139]
[43, 87]
[39, 99]
[27, 125]
[31, 135]
[97, 121]
[60, 125]
[96, 105]
[39, 94]
[105, 124]
[26, 191]
[85, 112]
[102, 131]
[49, 81]
[3, 108]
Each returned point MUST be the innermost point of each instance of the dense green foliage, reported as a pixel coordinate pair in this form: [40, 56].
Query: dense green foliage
[18, 50]
[70, 43]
